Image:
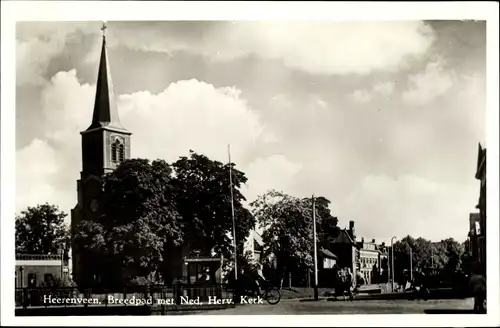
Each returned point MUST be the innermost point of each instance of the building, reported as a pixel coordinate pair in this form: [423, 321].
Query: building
[479, 234]
[345, 248]
[33, 270]
[369, 261]
[254, 245]
[374, 262]
[327, 262]
[105, 144]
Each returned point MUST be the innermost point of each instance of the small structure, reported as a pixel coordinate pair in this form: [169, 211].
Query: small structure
[202, 277]
[34, 269]
[202, 269]
[327, 262]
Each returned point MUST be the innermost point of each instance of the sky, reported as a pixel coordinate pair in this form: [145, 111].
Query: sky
[382, 118]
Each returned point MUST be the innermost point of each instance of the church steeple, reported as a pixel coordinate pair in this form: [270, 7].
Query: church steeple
[105, 143]
[105, 109]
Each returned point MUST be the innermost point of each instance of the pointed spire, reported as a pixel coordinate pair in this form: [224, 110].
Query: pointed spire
[105, 109]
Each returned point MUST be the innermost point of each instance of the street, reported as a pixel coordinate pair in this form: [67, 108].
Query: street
[355, 307]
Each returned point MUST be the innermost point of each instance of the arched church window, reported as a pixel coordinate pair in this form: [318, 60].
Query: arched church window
[114, 150]
[121, 152]
[117, 151]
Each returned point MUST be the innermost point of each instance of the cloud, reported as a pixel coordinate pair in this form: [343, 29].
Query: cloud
[423, 87]
[186, 115]
[360, 96]
[273, 172]
[423, 205]
[37, 43]
[382, 89]
[312, 46]
[36, 167]
[32, 60]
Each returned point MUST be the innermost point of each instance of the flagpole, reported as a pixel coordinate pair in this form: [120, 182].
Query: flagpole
[232, 214]
[316, 296]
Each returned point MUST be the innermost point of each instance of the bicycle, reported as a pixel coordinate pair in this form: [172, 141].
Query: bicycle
[267, 291]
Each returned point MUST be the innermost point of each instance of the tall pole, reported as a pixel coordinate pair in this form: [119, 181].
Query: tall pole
[432, 257]
[411, 265]
[316, 296]
[392, 262]
[232, 213]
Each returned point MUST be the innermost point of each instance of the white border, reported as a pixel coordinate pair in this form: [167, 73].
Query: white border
[13, 11]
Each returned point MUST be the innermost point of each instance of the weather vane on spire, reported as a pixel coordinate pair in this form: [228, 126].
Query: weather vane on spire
[103, 28]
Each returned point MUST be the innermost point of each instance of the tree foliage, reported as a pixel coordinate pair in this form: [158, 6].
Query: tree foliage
[288, 229]
[141, 218]
[204, 202]
[445, 255]
[154, 210]
[41, 230]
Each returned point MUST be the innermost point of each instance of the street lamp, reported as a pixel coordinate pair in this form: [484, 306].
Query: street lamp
[392, 262]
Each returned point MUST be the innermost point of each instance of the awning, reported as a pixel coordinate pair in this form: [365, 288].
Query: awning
[328, 254]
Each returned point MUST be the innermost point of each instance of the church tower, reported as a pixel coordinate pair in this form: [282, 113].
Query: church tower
[105, 144]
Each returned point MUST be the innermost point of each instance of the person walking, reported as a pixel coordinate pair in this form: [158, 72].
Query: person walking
[478, 288]
[349, 284]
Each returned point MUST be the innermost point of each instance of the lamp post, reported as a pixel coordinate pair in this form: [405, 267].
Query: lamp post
[21, 269]
[392, 262]
[61, 254]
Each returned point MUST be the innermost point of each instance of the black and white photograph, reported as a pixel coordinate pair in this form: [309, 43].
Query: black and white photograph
[222, 167]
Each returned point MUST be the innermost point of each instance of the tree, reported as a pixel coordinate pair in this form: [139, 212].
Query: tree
[444, 255]
[454, 253]
[41, 230]
[203, 199]
[288, 229]
[327, 230]
[141, 220]
[421, 251]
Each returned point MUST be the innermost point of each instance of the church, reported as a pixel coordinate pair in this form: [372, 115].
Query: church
[105, 144]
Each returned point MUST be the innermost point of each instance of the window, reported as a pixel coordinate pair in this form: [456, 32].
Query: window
[32, 280]
[117, 151]
[121, 153]
[48, 277]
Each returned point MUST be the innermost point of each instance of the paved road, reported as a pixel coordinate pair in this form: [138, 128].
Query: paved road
[355, 307]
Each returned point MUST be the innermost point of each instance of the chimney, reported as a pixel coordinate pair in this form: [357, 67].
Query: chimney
[373, 241]
[363, 240]
[351, 230]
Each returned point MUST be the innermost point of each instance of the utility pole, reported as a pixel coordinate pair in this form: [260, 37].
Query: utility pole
[411, 265]
[432, 257]
[392, 262]
[232, 213]
[316, 296]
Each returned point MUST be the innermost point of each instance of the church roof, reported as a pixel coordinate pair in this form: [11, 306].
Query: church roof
[105, 109]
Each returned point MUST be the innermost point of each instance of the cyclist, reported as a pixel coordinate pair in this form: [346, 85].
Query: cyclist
[259, 279]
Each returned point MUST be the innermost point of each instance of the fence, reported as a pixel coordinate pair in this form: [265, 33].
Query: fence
[157, 295]
[38, 257]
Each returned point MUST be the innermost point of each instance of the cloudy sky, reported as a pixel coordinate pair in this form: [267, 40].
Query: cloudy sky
[382, 118]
